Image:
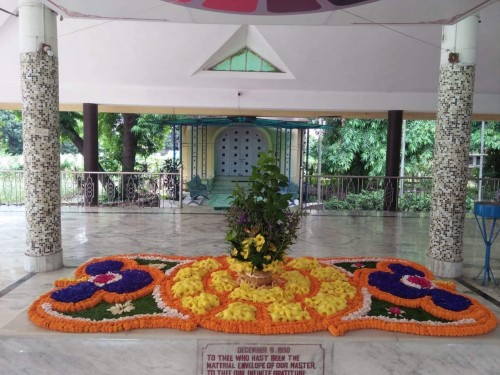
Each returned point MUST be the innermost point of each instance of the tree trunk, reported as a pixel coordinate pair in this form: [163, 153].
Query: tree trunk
[129, 182]
[129, 142]
[103, 178]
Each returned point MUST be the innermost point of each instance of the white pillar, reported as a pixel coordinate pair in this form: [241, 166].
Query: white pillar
[41, 131]
[460, 38]
[451, 148]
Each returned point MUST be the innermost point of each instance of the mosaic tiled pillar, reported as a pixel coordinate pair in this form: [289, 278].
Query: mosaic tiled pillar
[451, 148]
[41, 129]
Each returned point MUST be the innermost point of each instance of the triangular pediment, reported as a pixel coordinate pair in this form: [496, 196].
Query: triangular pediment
[245, 54]
[245, 60]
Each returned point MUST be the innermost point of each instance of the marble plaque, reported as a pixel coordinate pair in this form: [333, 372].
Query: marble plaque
[250, 358]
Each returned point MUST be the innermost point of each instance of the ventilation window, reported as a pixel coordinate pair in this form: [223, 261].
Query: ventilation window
[245, 60]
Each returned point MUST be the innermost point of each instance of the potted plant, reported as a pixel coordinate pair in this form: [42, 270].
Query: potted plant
[261, 227]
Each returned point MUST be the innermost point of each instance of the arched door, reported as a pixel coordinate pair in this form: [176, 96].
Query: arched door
[237, 149]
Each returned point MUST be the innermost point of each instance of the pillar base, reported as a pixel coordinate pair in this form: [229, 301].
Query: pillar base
[44, 263]
[440, 268]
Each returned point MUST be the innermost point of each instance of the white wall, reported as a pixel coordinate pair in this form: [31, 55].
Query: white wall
[335, 68]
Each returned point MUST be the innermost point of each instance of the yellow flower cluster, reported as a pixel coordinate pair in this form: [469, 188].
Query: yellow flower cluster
[326, 304]
[332, 297]
[189, 279]
[208, 264]
[238, 311]
[247, 292]
[296, 282]
[199, 268]
[188, 287]
[201, 303]
[328, 274]
[307, 264]
[239, 267]
[188, 273]
[222, 281]
[257, 242]
[338, 288]
[235, 265]
[275, 267]
[287, 312]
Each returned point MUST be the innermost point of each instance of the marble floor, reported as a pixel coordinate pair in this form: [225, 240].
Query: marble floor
[200, 231]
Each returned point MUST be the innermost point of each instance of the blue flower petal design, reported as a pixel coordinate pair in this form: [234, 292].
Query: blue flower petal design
[449, 301]
[75, 293]
[390, 282]
[131, 281]
[401, 269]
[102, 267]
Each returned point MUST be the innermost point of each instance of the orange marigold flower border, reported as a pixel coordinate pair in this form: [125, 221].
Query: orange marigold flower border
[52, 314]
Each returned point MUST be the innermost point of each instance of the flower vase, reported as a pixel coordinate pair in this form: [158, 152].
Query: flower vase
[258, 278]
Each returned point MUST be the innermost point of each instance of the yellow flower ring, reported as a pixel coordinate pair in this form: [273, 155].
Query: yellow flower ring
[295, 303]
[307, 295]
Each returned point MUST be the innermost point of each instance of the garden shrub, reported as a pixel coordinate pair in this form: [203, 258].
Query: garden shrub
[374, 201]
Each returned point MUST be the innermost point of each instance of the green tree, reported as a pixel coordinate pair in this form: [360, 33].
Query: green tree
[11, 132]
[71, 130]
[354, 147]
[124, 136]
[491, 146]
[358, 147]
[419, 147]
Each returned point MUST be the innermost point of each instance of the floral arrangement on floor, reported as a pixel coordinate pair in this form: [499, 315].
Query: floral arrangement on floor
[261, 227]
[124, 292]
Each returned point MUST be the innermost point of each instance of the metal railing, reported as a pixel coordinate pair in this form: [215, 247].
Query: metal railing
[163, 190]
[104, 189]
[11, 187]
[330, 192]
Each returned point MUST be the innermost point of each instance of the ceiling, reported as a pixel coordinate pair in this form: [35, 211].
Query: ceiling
[274, 12]
[359, 60]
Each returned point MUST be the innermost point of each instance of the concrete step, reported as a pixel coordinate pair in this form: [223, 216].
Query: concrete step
[226, 184]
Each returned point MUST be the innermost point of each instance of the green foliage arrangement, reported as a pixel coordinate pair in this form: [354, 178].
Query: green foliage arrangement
[373, 201]
[366, 200]
[260, 225]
